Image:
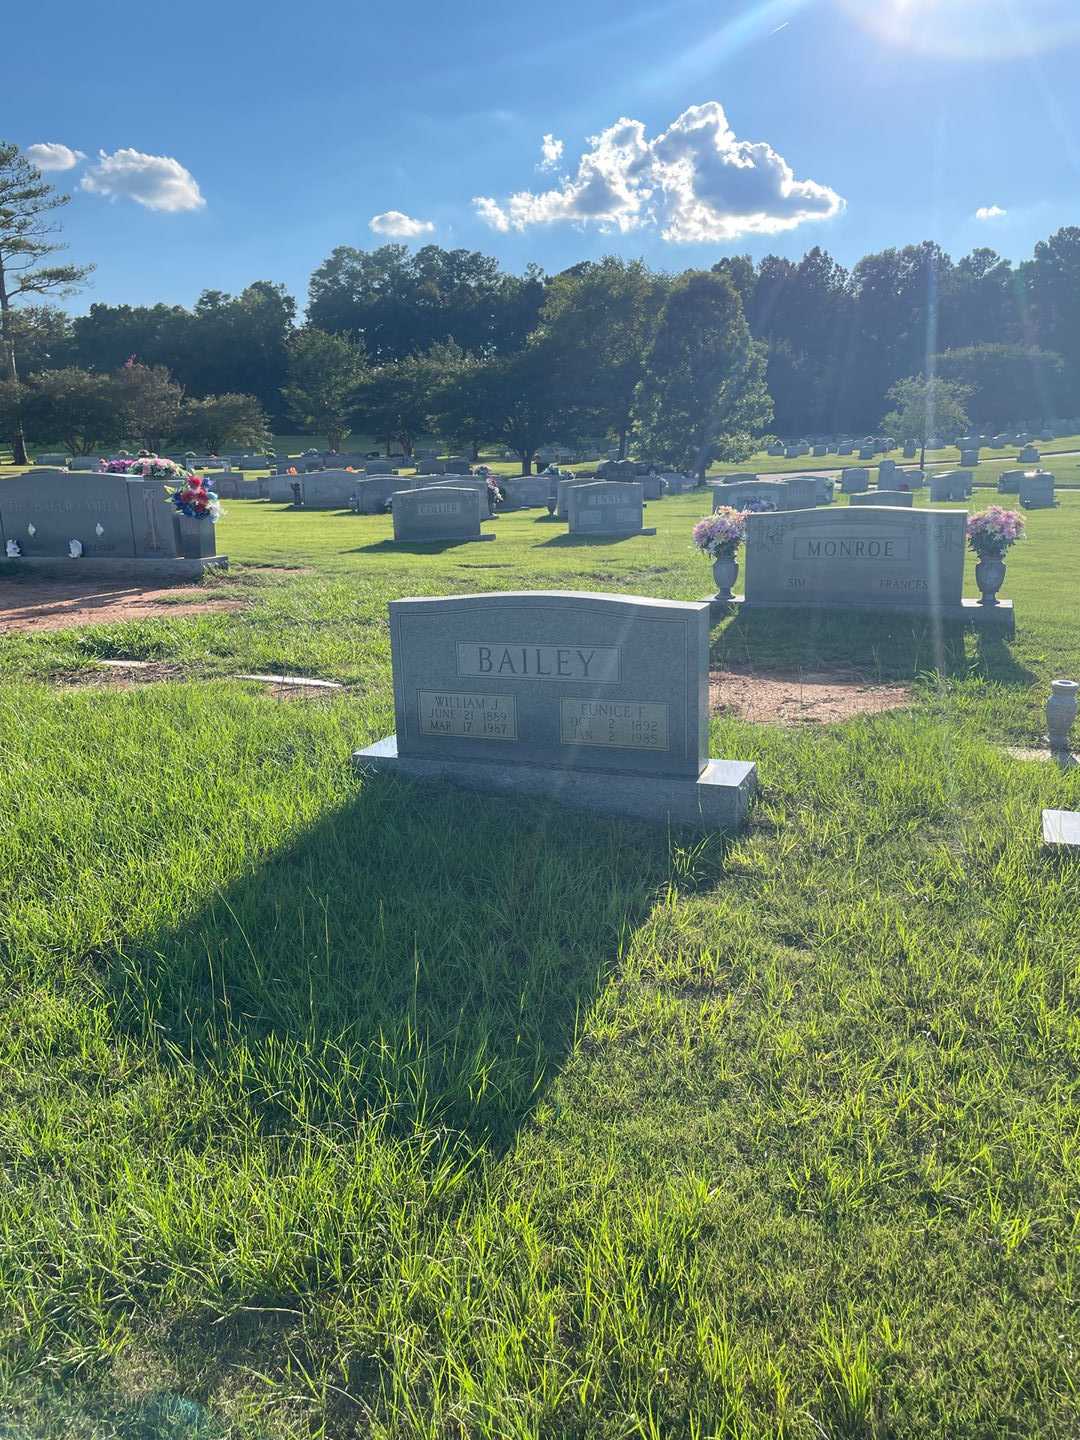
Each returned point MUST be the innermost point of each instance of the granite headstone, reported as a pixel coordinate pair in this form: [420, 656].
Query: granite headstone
[599, 701]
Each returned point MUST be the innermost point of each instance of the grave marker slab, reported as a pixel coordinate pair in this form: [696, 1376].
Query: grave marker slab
[1037, 490]
[598, 701]
[950, 485]
[125, 526]
[883, 497]
[864, 557]
[853, 480]
[438, 513]
[607, 507]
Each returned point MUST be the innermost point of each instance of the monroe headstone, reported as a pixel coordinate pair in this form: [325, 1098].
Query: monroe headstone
[599, 701]
[864, 557]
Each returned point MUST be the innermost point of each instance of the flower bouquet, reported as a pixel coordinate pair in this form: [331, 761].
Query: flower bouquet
[150, 467]
[195, 499]
[990, 533]
[719, 536]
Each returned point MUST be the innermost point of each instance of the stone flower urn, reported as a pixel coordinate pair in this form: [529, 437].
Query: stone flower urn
[194, 537]
[552, 504]
[989, 576]
[1061, 712]
[725, 572]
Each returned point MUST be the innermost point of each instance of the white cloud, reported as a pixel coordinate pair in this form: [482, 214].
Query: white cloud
[51, 155]
[989, 212]
[491, 212]
[157, 181]
[696, 182]
[551, 152]
[401, 226]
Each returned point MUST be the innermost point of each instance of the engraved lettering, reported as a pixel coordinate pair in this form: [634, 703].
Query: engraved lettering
[599, 664]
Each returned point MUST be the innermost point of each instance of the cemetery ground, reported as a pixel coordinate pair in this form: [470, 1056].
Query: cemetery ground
[338, 1107]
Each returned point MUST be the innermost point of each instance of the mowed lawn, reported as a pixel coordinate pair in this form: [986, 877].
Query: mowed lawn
[338, 1107]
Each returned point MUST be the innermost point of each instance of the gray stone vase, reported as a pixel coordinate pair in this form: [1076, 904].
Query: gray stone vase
[989, 576]
[194, 537]
[725, 573]
[1061, 712]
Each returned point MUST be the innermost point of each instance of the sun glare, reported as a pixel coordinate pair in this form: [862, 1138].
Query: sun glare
[970, 29]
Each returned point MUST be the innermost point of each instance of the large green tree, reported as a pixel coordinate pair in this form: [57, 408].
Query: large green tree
[217, 422]
[323, 378]
[703, 394]
[923, 406]
[513, 398]
[1008, 382]
[27, 238]
[148, 401]
[79, 408]
[596, 325]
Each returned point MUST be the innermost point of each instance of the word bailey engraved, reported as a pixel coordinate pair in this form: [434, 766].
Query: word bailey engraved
[596, 663]
[474, 717]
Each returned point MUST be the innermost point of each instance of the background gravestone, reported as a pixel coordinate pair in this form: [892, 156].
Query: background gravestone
[883, 497]
[607, 507]
[44, 509]
[524, 492]
[1037, 490]
[950, 485]
[329, 489]
[373, 494]
[599, 701]
[853, 480]
[742, 492]
[563, 489]
[438, 513]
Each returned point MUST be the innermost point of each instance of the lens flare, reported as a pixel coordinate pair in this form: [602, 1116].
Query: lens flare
[970, 29]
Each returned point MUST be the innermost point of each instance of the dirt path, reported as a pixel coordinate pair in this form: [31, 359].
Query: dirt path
[789, 697]
[63, 604]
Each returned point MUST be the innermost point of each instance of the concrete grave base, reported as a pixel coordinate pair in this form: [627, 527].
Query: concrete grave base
[719, 799]
[126, 567]
[998, 617]
[1061, 830]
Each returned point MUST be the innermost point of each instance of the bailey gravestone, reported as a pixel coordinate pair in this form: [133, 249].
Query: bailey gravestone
[598, 701]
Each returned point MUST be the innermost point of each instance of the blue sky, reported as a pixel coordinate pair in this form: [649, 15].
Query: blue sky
[223, 143]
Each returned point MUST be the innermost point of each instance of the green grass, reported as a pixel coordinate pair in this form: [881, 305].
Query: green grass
[335, 1107]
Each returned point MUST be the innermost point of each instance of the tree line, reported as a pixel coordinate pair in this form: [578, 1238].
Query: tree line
[398, 343]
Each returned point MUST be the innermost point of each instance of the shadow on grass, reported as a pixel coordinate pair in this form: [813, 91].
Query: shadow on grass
[884, 647]
[422, 952]
[588, 542]
[414, 547]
